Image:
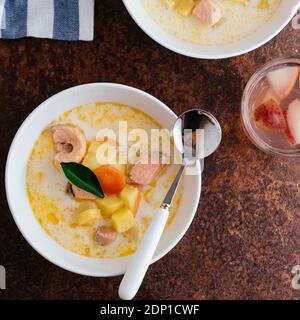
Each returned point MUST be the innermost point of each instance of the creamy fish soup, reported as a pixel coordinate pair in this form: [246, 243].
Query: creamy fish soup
[211, 22]
[103, 227]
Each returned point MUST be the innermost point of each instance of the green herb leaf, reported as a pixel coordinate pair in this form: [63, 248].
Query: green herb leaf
[82, 177]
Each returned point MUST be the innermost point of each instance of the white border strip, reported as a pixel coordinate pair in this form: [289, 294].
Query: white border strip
[2, 15]
[86, 19]
[40, 18]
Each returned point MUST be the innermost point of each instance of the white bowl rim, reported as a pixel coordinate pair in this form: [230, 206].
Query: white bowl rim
[9, 194]
[225, 50]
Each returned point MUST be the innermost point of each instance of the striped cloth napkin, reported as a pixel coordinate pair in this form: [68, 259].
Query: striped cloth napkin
[54, 19]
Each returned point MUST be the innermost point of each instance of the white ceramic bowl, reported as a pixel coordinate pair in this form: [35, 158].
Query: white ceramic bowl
[280, 19]
[16, 170]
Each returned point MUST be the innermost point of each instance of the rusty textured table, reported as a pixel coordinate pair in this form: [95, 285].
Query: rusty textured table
[245, 238]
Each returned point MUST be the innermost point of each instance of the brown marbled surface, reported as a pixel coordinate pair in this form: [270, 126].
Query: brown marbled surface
[245, 238]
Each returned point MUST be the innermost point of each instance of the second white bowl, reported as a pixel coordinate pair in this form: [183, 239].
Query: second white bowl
[264, 34]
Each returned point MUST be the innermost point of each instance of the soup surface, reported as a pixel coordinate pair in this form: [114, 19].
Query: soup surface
[57, 211]
[239, 21]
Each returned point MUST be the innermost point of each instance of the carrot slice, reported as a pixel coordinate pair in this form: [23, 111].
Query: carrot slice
[111, 179]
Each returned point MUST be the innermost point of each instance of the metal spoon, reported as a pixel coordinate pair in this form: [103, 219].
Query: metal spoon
[183, 133]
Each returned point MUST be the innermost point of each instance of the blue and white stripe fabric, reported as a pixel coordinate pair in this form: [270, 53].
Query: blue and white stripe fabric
[54, 19]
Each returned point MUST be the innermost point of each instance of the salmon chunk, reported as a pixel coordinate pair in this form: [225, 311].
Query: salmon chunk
[70, 143]
[105, 235]
[208, 12]
[82, 194]
[145, 170]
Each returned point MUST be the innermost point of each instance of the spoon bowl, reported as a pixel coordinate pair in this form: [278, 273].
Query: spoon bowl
[188, 125]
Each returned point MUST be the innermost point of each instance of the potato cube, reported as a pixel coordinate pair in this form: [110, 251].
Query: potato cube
[131, 197]
[87, 204]
[134, 233]
[169, 3]
[264, 4]
[97, 155]
[88, 216]
[121, 167]
[109, 204]
[90, 159]
[123, 220]
[106, 153]
[184, 7]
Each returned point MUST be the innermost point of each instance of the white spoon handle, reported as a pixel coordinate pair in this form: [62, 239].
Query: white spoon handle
[141, 260]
